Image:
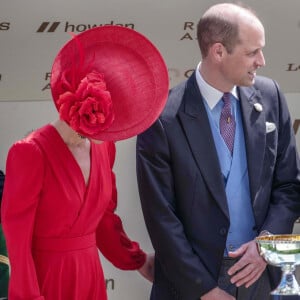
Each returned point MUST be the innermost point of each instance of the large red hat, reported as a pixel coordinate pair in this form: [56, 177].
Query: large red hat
[109, 83]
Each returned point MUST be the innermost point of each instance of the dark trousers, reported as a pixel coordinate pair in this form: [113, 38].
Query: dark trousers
[260, 290]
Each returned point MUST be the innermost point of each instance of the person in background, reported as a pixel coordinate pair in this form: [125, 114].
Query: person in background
[219, 167]
[60, 193]
[4, 262]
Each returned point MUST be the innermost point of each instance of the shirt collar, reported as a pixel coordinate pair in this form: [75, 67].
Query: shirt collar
[209, 93]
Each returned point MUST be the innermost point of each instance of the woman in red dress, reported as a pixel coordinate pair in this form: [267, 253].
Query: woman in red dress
[59, 200]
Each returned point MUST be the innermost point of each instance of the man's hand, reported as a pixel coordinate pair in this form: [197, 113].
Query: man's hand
[217, 294]
[250, 266]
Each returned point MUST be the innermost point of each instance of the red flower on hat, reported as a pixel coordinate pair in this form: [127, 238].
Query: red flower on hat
[89, 109]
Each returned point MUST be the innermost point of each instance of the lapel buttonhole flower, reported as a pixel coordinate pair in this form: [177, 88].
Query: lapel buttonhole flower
[258, 107]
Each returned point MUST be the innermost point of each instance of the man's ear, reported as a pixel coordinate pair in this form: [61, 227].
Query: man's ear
[217, 51]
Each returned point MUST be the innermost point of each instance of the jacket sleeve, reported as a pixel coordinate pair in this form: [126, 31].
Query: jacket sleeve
[23, 182]
[183, 267]
[112, 240]
[284, 206]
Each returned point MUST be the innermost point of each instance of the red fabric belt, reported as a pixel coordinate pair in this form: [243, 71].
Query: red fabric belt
[64, 244]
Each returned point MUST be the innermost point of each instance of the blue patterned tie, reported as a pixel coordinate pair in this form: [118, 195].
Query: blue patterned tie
[227, 122]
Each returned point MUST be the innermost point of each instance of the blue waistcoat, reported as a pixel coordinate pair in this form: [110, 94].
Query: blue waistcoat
[235, 173]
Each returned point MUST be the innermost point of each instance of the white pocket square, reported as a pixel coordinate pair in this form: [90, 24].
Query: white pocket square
[270, 127]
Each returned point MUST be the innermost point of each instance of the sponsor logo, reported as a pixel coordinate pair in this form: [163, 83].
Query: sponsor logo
[50, 27]
[110, 284]
[189, 29]
[4, 26]
[175, 74]
[47, 85]
[293, 67]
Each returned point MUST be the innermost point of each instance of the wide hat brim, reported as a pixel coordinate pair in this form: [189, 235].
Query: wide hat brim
[135, 74]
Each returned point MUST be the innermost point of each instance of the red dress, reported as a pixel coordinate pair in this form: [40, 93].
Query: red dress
[54, 223]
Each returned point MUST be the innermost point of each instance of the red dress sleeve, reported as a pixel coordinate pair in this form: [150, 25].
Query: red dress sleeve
[112, 240]
[23, 182]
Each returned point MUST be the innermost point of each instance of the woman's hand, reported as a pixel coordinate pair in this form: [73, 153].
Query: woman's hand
[147, 270]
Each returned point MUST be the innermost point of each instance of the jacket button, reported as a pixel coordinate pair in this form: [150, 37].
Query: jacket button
[223, 231]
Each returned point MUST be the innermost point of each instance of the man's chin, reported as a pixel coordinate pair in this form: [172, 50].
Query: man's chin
[248, 82]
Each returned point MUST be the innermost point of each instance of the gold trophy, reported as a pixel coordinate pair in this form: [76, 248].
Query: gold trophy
[282, 251]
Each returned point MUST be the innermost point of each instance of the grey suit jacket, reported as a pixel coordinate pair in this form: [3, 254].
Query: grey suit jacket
[182, 191]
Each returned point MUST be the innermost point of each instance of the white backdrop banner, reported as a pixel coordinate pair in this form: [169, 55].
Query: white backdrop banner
[33, 31]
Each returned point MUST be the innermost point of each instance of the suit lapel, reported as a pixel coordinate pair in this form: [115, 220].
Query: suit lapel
[196, 126]
[255, 135]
